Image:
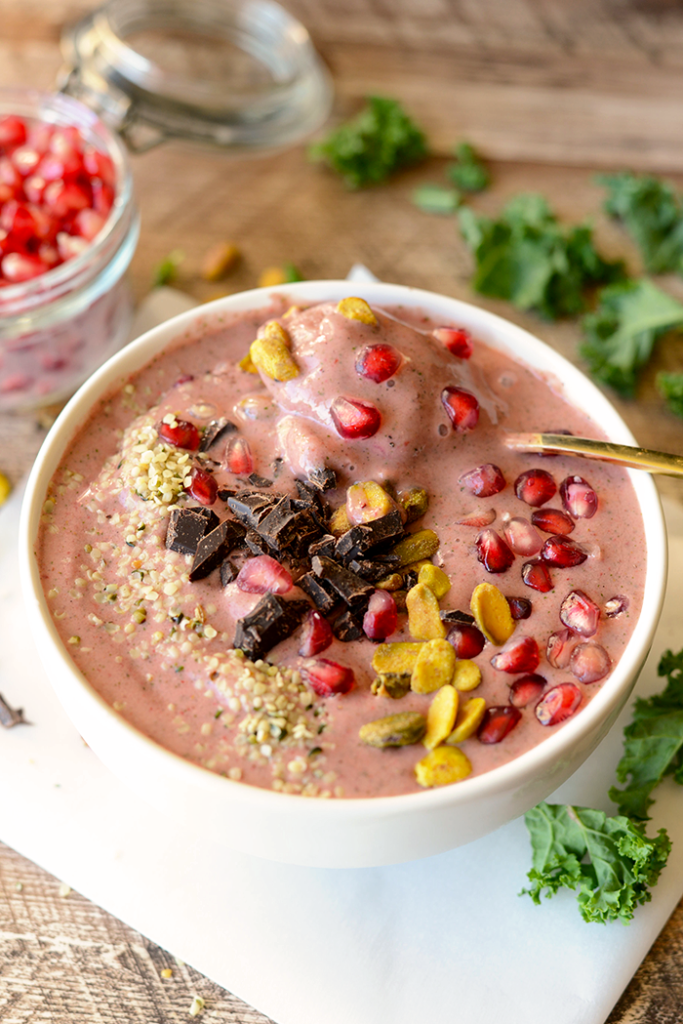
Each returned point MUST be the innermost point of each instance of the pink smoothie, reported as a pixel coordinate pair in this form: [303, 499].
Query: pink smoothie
[160, 648]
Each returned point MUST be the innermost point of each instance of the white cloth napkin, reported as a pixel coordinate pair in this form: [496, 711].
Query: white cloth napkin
[443, 939]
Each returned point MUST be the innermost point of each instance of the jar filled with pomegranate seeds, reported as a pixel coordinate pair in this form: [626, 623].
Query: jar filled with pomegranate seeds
[68, 230]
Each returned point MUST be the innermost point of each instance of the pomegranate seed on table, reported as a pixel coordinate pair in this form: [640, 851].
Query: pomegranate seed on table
[493, 552]
[477, 519]
[590, 662]
[578, 497]
[353, 419]
[12, 131]
[553, 520]
[559, 648]
[535, 487]
[238, 459]
[181, 434]
[520, 607]
[263, 575]
[580, 614]
[562, 552]
[558, 704]
[457, 340]
[202, 486]
[537, 576]
[381, 618]
[462, 408]
[518, 655]
[523, 538]
[327, 678]
[483, 481]
[616, 606]
[467, 641]
[316, 634]
[526, 689]
[497, 723]
[378, 362]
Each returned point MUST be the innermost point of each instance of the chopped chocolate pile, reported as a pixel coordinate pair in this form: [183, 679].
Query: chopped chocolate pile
[214, 548]
[215, 431]
[187, 526]
[272, 620]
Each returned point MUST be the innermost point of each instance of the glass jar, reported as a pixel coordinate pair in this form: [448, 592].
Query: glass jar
[56, 328]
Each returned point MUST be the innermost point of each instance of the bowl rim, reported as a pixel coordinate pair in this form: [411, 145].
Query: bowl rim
[493, 330]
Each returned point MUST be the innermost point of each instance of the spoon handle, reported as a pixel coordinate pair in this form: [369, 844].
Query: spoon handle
[604, 451]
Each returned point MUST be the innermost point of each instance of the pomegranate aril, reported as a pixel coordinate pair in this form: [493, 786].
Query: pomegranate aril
[380, 619]
[457, 340]
[202, 486]
[70, 246]
[378, 362]
[17, 219]
[12, 131]
[238, 459]
[98, 165]
[522, 537]
[353, 419]
[9, 175]
[327, 678]
[467, 641]
[520, 655]
[562, 552]
[553, 520]
[17, 267]
[102, 198]
[559, 648]
[484, 480]
[181, 434]
[616, 606]
[526, 689]
[535, 487]
[537, 576]
[497, 723]
[520, 607]
[263, 575]
[580, 614]
[590, 662]
[558, 704]
[578, 497]
[493, 552]
[34, 188]
[25, 159]
[63, 198]
[462, 408]
[477, 519]
[88, 223]
[316, 634]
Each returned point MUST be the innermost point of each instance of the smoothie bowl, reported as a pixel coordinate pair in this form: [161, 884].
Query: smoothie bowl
[292, 588]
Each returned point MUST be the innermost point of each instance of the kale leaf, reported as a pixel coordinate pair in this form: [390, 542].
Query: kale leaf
[621, 333]
[527, 257]
[379, 141]
[670, 387]
[652, 214]
[653, 746]
[609, 860]
[469, 173]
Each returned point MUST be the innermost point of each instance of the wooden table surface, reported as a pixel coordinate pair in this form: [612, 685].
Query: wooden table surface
[62, 958]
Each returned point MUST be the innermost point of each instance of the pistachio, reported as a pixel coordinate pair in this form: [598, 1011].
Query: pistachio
[339, 521]
[367, 501]
[219, 260]
[5, 488]
[271, 277]
[415, 502]
[424, 618]
[416, 546]
[433, 667]
[246, 364]
[492, 613]
[391, 684]
[394, 731]
[435, 578]
[442, 766]
[468, 720]
[357, 309]
[392, 582]
[398, 657]
[467, 675]
[270, 353]
[441, 716]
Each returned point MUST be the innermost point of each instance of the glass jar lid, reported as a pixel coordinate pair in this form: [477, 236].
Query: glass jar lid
[240, 74]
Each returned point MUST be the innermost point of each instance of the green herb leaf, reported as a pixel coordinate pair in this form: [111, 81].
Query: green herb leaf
[670, 387]
[469, 173]
[437, 199]
[621, 333]
[653, 742]
[167, 270]
[379, 141]
[608, 861]
[527, 257]
[292, 273]
[652, 214]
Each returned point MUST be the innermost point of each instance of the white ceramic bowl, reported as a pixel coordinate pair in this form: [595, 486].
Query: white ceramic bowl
[351, 832]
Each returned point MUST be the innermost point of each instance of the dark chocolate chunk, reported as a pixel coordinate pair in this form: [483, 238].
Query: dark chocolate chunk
[186, 527]
[320, 592]
[250, 507]
[455, 616]
[256, 544]
[288, 530]
[259, 481]
[324, 546]
[409, 579]
[216, 430]
[367, 570]
[226, 492]
[365, 536]
[228, 572]
[10, 716]
[350, 587]
[277, 465]
[323, 479]
[347, 627]
[214, 547]
[271, 621]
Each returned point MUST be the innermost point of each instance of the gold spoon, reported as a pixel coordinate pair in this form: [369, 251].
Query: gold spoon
[603, 451]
